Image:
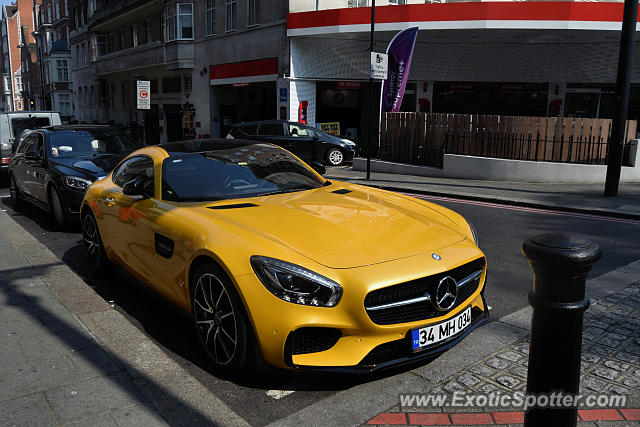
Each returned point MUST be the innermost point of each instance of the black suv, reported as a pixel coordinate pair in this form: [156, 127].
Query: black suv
[306, 142]
[53, 166]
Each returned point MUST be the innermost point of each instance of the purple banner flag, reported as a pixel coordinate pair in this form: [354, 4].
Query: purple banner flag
[400, 52]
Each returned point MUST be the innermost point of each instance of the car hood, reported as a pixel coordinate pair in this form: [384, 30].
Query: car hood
[343, 230]
[95, 166]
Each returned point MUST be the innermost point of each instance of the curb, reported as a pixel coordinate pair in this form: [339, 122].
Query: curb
[492, 418]
[493, 199]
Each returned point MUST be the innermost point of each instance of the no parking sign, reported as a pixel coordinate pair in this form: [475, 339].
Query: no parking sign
[143, 89]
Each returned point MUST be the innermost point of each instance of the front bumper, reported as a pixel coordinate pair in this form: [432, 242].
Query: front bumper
[71, 199]
[360, 345]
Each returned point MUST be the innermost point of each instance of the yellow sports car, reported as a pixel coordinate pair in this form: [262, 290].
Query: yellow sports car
[274, 263]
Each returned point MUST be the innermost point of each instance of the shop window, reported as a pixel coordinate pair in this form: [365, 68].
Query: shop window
[211, 17]
[254, 12]
[171, 85]
[231, 11]
[179, 22]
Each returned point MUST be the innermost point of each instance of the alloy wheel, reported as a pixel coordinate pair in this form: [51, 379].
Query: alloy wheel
[91, 240]
[215, 319]
[335, 157]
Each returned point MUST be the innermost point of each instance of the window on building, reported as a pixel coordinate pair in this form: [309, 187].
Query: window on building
[19, 105]
[19, 84]
[397, 1]
[179, 22]
[254, 12]
[147, 31]
[231, 11]
[188, 83]
[77, 54]
[123, 88]
[62, 70]
[56, 10]
[171, 85]
[170, 24]
[154, 86]
[185, 23]
[357, 3]
[122, 39]
[134, 35]
[64, 104]
[211, 17]
[91, 7]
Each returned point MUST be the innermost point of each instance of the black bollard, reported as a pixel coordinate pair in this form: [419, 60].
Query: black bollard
[560, 263]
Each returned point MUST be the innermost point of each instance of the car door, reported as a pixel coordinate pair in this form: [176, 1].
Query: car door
[126, 218]
[37, 169]
[302, 141]
[21, 164]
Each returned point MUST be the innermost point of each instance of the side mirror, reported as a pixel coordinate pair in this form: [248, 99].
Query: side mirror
[135, 187]
[318, 167]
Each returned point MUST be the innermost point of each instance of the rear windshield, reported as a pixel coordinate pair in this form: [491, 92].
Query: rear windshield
[22, 123]
[78, 143]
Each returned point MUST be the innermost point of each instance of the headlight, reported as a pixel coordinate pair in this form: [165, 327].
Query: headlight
[295, 284]
[348, 142]
[76, 182]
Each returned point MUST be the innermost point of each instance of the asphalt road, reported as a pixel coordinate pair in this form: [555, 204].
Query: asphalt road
[261, 400]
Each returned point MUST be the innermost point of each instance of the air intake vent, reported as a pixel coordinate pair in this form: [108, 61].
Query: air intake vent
[342, 191]
[234, 206]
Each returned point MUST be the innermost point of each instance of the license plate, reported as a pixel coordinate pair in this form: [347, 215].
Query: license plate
[428, 336]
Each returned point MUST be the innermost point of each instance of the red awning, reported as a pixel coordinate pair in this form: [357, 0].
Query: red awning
[260, 70]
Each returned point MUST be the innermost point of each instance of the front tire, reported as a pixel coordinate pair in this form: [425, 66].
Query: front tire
[93, 244]
[222, 326]
[56, 208]
[335, 157]
[16, 199]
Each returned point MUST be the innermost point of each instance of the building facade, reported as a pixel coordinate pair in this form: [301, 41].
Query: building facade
[527, 58]
[18, 55]
[54, 58]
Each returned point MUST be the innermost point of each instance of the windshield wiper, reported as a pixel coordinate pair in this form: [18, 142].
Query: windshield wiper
[286, 190]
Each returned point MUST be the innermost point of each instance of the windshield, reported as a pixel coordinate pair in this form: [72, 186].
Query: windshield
[247, 171]
[81, 143]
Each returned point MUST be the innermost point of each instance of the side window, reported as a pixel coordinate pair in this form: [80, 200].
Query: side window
[271, 129]
[39, 144]
[135, 167]
[27, 144]
[298, 130]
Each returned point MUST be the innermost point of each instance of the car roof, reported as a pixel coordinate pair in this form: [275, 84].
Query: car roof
[203, 145]
[79, 127]
[263, 122]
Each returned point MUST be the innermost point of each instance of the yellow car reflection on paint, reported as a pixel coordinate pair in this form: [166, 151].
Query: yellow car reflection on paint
[275, 263]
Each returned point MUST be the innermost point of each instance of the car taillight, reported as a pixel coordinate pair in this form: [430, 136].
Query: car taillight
[5, 160]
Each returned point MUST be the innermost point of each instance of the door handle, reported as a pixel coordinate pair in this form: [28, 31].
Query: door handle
[110, 201]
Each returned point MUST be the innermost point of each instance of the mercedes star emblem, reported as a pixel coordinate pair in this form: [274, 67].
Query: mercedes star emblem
[446, 294]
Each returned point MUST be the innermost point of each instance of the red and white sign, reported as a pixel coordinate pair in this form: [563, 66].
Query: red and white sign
[261, 70]
[348, 85]
[143, 89]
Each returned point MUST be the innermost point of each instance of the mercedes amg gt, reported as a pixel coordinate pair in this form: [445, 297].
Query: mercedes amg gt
[274, 263]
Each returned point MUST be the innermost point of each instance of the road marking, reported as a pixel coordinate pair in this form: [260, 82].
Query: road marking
[279, 394]
[526, 209]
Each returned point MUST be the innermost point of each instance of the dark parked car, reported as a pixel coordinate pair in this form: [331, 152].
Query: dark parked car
[52, 167]
[306, 142]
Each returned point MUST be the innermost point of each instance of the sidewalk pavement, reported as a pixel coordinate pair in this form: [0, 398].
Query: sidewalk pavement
[67, 357]
[583, 198]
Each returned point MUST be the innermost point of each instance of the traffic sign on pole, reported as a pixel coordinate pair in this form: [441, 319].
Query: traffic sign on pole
[143, 90]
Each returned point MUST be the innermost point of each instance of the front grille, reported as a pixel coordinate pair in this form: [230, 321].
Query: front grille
[312, 340]
[417, 288]
[400, 349]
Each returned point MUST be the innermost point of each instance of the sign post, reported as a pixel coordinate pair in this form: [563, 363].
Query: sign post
[143, 94]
